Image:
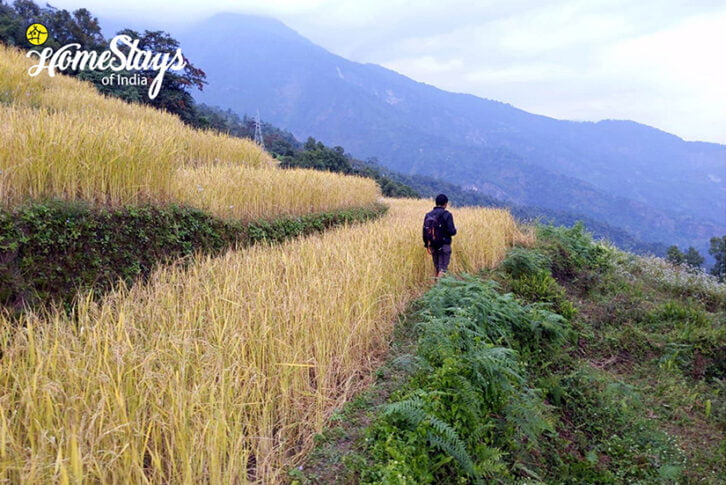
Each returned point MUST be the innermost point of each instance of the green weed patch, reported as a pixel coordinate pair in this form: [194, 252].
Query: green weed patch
[49, 251]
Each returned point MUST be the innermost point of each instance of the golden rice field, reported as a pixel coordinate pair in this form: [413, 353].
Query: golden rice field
[60, 139]
[247, 194]
[221, 372]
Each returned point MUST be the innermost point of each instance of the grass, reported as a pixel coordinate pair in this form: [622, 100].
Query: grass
[221, 372]
[634, 395]
[60, 139]
[660, 328]
[247, 194]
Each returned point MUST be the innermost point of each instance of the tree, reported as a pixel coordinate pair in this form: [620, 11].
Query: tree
[64, 27]
[86, 30]
[28, 12]
[174, 96]
[675, 255]
[718, 251]
[693, 258]
[317, 156]
[11, 26]
[81, 27]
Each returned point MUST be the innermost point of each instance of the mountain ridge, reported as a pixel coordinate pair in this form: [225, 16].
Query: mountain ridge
[650, 182]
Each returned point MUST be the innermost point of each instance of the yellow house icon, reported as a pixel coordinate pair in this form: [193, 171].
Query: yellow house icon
[37, 34]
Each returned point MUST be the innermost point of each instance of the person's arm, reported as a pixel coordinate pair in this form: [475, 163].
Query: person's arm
[450, 228]
[423, 232]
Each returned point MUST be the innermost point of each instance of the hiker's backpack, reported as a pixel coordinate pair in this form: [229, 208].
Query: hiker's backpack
[433, 231]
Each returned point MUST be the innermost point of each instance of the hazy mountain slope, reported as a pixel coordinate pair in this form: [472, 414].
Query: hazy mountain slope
[651, 183]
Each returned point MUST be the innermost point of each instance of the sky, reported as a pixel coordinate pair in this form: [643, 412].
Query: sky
[662, 63]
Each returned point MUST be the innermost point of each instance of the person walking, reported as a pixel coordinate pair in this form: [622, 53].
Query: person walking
[437, 231]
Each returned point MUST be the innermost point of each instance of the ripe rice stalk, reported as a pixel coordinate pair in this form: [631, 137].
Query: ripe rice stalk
[246, 194]
[59, 138]
[221, 372]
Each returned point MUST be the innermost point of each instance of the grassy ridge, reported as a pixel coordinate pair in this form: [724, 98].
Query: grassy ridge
[61, 139]
[221, 371]
[48, 252]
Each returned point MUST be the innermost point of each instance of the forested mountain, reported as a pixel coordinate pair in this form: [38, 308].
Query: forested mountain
[651, 183]
[312, 153]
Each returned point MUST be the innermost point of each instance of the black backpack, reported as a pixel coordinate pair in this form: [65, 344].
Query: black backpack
[433, 230]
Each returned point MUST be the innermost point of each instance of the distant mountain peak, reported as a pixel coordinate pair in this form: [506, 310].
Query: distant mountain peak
[239, 25]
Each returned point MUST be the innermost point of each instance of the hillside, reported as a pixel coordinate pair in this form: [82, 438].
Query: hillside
[293, 153]
[222, 371]
[217, 346]
[94, 191]
[618, 172]
[106, 152]
[570, 363]
[175, 307]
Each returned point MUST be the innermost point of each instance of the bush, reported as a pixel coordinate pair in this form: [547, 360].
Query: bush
[529, 270]
[542, 287]
[522, 262]
[572, 250]
[498, 397]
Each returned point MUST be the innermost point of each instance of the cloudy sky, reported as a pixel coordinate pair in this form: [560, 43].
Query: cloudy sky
[661, 62]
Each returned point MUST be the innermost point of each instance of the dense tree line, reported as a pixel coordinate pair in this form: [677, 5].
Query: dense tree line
[294, 154]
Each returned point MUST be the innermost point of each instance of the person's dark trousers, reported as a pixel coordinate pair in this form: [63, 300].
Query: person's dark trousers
[441, 257]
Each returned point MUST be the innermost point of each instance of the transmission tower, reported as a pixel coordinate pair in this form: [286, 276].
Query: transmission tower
[258, 131]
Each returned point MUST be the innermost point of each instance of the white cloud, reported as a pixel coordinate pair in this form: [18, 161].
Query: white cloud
[544, 30]
[521, 73]
[659, 62]
[587, 63]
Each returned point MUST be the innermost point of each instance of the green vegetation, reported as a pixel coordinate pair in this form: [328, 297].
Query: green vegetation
[718, 251]
[571, 363]
[691, 257]
[293, 154]
[50, 250]
[471, 407]
[316, 155]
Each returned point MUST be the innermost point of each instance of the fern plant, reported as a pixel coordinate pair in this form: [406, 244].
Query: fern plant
[457, 419]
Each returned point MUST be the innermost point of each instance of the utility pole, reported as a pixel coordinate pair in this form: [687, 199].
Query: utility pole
[258, 131]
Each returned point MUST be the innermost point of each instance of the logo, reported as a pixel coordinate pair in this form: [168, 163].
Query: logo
[37, 34]
[123, 54]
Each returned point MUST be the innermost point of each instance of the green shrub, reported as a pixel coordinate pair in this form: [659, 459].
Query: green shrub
[521, 262]
[480, 408]
[542, 287]
[694, 339]
[680, 313]
[469, 406]
[572, 250]
[50, 250]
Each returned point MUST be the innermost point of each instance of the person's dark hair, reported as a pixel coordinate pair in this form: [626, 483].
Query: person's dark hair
[441, 199]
